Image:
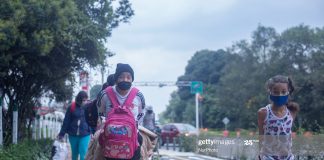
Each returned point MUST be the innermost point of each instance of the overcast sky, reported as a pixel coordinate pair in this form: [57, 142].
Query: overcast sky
[164, 34]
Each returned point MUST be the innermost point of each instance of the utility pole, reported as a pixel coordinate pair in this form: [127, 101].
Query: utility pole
[197, 111]
[15, 123]
[102, 70]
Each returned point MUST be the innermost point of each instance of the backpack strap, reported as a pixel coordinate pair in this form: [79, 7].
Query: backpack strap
[131, 97]
[129, 100]
[73, 105]
[112, 96]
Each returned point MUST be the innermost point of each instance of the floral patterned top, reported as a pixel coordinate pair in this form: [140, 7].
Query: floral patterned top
[277, 140]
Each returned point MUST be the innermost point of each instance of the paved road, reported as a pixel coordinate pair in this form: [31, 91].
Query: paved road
[174, 155]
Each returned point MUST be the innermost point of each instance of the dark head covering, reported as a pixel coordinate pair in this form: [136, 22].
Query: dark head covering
[149, 108]
[104, 86]
[110, 80]
[123, 68]
[81, 95]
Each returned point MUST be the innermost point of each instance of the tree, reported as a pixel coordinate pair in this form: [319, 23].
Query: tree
[44, 42]
[234, 80]
[206, 66]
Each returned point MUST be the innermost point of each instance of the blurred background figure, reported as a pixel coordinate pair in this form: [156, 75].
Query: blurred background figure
[149, 119]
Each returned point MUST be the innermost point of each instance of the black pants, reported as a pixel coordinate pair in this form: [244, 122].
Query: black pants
[137, 154]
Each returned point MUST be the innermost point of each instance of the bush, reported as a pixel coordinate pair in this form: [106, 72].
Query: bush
[189, 143]
[28, 150]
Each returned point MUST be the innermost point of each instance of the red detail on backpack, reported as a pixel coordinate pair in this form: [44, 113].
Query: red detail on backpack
[119, 138]
[73, 105]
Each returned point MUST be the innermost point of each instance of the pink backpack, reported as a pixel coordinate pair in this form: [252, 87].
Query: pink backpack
[119, 138]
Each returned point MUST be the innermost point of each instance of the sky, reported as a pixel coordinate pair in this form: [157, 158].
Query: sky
[163, 35]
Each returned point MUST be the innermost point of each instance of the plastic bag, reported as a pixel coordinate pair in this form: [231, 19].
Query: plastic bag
[60, 150]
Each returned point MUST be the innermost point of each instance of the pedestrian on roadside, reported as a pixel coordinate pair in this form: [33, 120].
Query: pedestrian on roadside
[275, 120]
[149, 119]
[75, 125]
[123, 78]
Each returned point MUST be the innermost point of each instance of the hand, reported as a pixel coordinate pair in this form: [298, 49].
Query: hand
[60, 138]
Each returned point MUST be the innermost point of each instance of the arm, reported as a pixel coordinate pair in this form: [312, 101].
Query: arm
[261, 117]
[141, 112]
[101, 105]
[66, 122]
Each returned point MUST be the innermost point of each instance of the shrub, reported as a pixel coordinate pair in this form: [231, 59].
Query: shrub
[28, 150]
[189, 143]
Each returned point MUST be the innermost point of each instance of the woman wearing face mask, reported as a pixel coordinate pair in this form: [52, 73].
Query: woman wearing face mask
[276, 119]
[76, 127]
[124, 76]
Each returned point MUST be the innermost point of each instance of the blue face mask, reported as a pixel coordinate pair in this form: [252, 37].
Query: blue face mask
[279, 101]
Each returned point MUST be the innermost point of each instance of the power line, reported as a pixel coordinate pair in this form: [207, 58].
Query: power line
[162, 83]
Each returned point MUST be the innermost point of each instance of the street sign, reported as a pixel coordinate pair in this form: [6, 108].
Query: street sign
[196, 87]
[226, 120]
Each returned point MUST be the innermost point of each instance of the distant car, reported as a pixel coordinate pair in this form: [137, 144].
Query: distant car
[172, 130]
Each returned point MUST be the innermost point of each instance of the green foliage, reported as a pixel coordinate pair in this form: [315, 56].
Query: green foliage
[234, 80]
[188, 143]
[28, 150]
[44, 42]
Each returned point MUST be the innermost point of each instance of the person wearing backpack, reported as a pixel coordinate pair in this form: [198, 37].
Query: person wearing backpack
[123, 106]
[91, 115]
[75, 125]
[91, 110]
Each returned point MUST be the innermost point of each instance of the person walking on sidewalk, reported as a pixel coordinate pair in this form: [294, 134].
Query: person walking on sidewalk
[149, 119]
[75, 125]
[121, 91]
[276, 119]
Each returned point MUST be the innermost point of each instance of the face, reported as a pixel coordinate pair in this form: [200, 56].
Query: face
[124, 81]
[279, 89]
[125, 77]
[84, 101]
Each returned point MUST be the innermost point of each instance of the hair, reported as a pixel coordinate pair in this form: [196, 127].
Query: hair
[110, 80]
[80, 96]
[104, 86]
[292, 106]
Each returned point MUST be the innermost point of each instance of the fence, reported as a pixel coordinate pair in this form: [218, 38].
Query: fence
[245, 148]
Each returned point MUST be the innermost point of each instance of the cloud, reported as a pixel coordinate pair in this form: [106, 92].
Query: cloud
[153, 64]
[164, 34]
[158, 14]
